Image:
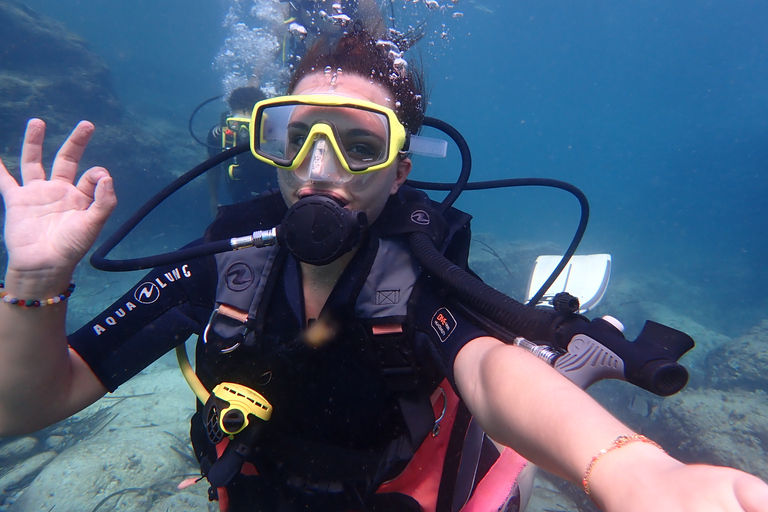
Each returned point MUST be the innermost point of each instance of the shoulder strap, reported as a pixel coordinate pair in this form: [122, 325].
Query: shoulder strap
[244, 278]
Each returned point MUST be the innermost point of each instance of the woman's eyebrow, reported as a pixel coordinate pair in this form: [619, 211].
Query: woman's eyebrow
[362, 132]
[298, 124]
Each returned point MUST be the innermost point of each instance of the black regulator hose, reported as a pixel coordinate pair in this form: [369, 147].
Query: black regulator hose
[99, 257]
[462, 184]
[530, 182]
[192, 118]
[455, 189]
[536, 324]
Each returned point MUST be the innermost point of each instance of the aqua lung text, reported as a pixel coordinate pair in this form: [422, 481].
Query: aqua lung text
[146, 293]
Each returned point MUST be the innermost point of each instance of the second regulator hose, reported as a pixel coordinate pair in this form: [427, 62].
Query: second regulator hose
[535, 324]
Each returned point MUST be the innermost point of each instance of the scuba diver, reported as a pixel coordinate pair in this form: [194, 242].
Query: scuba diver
[245, 177]
[335, 368]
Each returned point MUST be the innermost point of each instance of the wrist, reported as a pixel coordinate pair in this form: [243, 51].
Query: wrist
[36, 285]
[624, 469]
[42, 301]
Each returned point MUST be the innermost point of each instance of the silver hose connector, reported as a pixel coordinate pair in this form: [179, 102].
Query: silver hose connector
[262, 238]
[543, 352]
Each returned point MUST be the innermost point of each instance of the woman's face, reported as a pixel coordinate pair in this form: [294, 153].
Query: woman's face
[360, 192]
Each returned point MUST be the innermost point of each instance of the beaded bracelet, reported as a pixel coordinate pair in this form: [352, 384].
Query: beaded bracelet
[31, 303]
[619, 442]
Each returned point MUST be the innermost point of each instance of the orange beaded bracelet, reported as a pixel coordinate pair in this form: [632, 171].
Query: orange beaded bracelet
[619, 442]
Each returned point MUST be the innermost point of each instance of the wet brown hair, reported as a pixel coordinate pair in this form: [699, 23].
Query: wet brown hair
[357, 52]
[244, 98]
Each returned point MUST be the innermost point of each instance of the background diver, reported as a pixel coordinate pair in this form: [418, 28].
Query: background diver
[244, 176]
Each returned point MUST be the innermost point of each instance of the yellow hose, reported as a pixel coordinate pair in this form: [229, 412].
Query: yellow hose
[189, 374]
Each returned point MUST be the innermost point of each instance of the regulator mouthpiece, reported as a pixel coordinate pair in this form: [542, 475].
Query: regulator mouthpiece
[318, 230]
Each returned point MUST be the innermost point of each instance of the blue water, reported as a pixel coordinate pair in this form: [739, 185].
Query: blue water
[657, 110]
[159, 53]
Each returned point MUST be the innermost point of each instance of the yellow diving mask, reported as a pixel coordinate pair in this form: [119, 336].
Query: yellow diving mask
[235, 132]
[364, 136]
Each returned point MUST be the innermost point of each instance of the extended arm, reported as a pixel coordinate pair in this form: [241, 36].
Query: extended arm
[49, 226]
[522, 402]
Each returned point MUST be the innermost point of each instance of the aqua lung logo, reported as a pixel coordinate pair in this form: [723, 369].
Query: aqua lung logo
[239, 276]
[146, 293]
[420, 217]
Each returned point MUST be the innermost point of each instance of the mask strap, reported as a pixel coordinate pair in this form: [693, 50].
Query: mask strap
[426, 146]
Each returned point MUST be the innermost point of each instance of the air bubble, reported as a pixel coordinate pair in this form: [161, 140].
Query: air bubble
[387, 45]
[247, 55]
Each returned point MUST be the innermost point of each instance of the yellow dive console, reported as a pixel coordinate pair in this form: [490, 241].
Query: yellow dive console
[229, 408]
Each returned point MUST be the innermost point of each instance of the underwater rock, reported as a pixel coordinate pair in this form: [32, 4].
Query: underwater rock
[132, 467]
[715, 427]
[25, 470]
[741, 364]
[56, 443]
[17, 448]
[44, 62]
[49, 73]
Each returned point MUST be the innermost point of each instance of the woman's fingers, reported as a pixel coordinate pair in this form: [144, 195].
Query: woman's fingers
[7, 182]
[32, 152]
[105, 200]
[67, 159]
[752, 493]
[90, 178]
[96, 183]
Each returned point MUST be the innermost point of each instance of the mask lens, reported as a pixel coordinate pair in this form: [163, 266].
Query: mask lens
[361, 136]
[273, 134]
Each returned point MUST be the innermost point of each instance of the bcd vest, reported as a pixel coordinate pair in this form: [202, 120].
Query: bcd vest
[357, 406]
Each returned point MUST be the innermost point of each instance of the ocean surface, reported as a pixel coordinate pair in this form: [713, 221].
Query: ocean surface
[657, 110]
